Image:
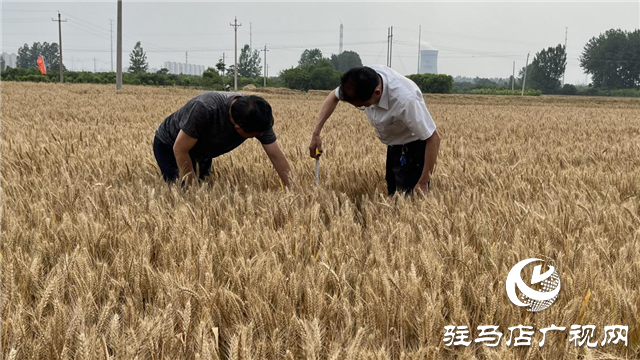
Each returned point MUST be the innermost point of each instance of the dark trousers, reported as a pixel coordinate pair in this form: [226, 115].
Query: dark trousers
[404, 166]
[169, 167]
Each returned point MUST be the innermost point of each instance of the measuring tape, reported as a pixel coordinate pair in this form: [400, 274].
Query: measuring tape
[317, 167]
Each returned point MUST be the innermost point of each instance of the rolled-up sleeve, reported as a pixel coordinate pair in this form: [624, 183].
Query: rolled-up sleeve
[269, 137]
[194, 119]
[417, 118]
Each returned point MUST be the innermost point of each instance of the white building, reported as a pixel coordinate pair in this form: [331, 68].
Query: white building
[428, 61]
[184, 68]
[10, 60]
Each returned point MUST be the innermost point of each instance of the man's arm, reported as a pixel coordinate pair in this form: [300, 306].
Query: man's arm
[430, 157]
[181, 148]
[327, 109]
[279, 162]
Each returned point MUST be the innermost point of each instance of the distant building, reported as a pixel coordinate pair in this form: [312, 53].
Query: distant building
[183, 68]
[429, 62]
[10, 60]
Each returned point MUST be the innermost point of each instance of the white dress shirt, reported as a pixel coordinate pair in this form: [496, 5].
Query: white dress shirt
[401, 115]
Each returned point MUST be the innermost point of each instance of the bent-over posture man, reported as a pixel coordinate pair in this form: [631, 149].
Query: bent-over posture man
[396, 109]
[212, 124]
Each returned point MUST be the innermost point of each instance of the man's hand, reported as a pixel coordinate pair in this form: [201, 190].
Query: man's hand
[279, 162]
[316, 143]
[184, 143]
[328, 106]
[430, 156]
[422, 187]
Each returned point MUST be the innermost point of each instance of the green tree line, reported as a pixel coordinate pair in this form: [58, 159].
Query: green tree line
[612, 59]
[161, 78]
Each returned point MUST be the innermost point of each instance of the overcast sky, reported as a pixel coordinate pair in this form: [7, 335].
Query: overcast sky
[473, 38]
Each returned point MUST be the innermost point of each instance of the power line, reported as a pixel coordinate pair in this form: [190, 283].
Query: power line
[24, 21]
[467, 51]
[501, 40]
[107, 31]
[324, 45]
[86, 30]
[216, 49]
[379, 54]
[27, 11]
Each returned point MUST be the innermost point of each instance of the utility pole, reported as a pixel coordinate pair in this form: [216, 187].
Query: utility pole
[419, 36]
[524, 81]
[111, 26]
[265, 65]
[225, 65]
[186, 62]
[60, 65]
[391, 47]
[388, 36]
[341, 35]
[235, 26]
[513, 77]
[119, 48]
[566, 30]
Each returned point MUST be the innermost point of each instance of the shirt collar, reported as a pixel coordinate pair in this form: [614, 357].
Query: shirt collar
[231, 97]
[384, 98]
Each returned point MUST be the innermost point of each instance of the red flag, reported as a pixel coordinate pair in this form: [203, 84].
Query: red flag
[41, 65]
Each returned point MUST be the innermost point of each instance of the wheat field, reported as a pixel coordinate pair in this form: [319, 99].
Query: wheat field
[101, 260]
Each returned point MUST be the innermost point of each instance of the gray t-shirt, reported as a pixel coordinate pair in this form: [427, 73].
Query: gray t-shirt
[206, 118]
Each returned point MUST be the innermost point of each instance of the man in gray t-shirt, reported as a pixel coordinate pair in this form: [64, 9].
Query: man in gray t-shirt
[212, 124]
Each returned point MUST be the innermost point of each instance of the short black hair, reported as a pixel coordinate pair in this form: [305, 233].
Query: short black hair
[252, 113]
[359, 83]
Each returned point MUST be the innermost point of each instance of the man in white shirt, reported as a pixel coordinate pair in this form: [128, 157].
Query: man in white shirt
[396, 109]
